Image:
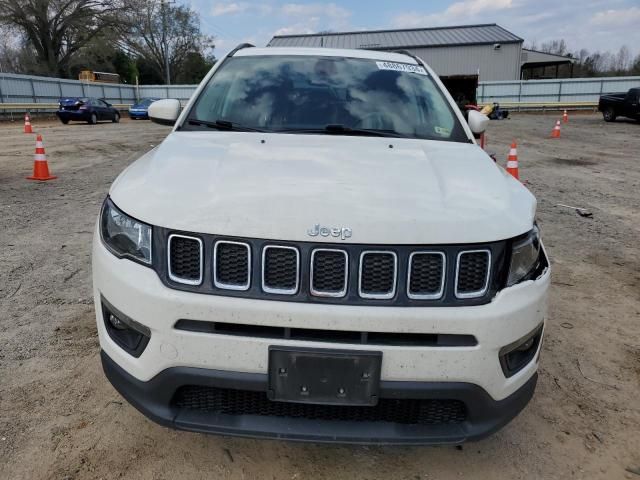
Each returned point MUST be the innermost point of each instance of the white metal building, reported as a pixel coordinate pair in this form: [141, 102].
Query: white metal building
[485, 52]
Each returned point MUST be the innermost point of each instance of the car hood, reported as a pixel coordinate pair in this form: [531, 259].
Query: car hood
[278, 186]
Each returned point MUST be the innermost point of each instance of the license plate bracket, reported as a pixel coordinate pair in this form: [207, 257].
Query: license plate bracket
[324, 376]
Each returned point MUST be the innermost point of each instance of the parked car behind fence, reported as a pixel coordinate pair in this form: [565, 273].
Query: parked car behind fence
[140, 109]
[85, 109]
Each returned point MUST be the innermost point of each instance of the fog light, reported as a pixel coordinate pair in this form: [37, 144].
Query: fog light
[526, 345]
[116, 322]
[515, 356]
[128, 334]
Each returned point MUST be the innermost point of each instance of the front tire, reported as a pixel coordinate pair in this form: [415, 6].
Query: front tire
[93, 119]
[116, 118]
[65, 121]
[609, 115]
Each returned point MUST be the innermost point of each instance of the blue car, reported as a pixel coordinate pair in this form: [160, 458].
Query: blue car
[140, 109]
[86, 109]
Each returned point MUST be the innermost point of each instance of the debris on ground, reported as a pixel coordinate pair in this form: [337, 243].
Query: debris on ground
[583, 212]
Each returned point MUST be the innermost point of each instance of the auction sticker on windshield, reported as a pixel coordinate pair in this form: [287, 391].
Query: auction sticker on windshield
[401, 67]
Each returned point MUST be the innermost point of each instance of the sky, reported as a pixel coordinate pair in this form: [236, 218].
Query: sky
[591, 24]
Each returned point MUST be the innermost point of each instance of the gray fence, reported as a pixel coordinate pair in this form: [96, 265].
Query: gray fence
[30, 89]
[565, 91]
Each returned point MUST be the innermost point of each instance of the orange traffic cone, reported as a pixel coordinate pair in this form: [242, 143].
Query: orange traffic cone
[512, 161]
[555, 133]
[27, 124]
[40, 166]
[565, 117]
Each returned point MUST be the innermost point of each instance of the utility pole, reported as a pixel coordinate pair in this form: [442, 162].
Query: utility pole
[165, 46]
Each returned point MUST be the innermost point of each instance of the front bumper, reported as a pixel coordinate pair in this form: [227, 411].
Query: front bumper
[173, 357]
[156, 399]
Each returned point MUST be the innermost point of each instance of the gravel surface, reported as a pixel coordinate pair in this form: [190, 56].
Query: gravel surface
[61, 419]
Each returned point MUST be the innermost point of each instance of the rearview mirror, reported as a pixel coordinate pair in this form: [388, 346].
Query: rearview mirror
[477, 122]
[164, 112]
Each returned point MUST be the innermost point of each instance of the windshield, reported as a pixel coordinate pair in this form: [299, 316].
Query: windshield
[308, 93]
[145, 102]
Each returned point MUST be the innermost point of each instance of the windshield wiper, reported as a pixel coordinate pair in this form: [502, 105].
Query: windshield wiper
[339, 129]
[225, 125]
[332, 129]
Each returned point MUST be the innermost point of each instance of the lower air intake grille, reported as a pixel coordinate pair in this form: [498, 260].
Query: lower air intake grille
[377, 274]
[185, 259]
[473, 273]
[244, 402]
[280, 270]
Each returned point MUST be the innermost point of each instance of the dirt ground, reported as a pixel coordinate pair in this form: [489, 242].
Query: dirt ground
[61, 419]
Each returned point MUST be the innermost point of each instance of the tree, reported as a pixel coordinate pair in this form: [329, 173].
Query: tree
[125, 66]
[557, 47]
[9, 52]
[621, 62]
[98, 55]
[592, 64]
[147, 74]
[57, 29]
[163, 34]
[194, 67]
[635, 66]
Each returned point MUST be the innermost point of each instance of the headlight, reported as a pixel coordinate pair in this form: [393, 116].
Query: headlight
[123, 235]
[524, 256]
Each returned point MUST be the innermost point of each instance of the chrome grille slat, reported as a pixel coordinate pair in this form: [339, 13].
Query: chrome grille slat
[173, 256]
[419, 287]
[473, 270]
[229, 266]
[273, 268]
[334, 265]
[374, 271]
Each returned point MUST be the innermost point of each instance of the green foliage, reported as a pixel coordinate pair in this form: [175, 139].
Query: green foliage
[125, 66]
[148, 75]
[55, 31]
[193, 68]
[635, 67]
[166, 36]
[62, 37]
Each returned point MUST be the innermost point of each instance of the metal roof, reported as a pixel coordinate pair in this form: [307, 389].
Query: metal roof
[407, 38]
[529, 56]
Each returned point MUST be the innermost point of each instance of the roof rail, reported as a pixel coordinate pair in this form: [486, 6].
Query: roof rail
[408, 54]
[240, 47]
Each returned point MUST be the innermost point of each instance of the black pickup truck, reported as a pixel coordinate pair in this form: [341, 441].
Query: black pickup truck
[615, 105]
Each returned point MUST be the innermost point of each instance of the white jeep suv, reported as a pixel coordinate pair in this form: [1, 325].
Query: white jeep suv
[320, 251]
